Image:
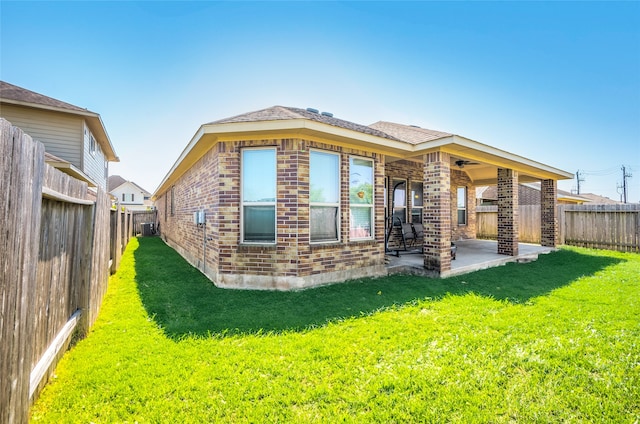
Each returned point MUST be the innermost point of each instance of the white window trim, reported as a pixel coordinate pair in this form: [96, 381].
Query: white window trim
[311, 204]
[274, 203]
[373, 200]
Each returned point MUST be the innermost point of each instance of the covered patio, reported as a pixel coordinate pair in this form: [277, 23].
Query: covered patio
[472, 255]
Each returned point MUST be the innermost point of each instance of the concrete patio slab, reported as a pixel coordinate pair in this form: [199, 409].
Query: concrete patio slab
[472, 255]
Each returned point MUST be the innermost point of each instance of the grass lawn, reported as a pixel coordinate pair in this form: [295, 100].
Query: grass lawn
[556, 340]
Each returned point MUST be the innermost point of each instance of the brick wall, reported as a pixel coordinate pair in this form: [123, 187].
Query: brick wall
[507, 212]
[213, 184]
[437, 212]
[460, 178]
[414, 172]
[548, 210]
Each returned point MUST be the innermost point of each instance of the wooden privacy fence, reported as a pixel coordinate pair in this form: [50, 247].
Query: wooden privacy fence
[54, 263]
[612, 227]
[529, 225]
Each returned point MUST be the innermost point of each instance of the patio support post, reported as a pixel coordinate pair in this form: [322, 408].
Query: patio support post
[437, 212]
[507, 212]
[549, 214]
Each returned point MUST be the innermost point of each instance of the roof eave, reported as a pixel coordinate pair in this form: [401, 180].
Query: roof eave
[472, 149]
[93, 119]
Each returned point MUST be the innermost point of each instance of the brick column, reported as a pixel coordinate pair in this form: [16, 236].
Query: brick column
[507, 212]
[548, 209]
[437, 211]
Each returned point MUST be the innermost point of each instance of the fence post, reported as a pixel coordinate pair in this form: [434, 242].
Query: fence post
[21, 177]
[561, 220]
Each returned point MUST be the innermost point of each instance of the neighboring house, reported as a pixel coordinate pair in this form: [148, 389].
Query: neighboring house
[75, 136]
[129, 194]
[286, 198]
[595, 199]
[528, 194]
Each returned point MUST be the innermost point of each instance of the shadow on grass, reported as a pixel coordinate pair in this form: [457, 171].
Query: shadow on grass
[183, 301]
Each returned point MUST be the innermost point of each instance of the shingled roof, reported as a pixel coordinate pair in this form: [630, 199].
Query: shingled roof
[279, 113]
[22, 95]
[408, 133]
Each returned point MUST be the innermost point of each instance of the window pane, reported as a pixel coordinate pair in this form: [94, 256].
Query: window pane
[416, 194]
[260, 223]
[399, 213]
[259, 175]
[360, 222]
[399, 194]
[361, 181]
[323, 177]
[462, 197]
[324, 223]
[416, 216]
[462, 217]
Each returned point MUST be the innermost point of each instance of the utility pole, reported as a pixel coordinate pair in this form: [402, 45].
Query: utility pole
[579, 179]
[625, 175]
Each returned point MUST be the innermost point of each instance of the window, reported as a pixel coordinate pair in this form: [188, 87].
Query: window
[92, 144]
[324, 195]
[361, 198]
[462, 206]
[173, 203]
[132, 197]
[416, 202]
[124, 197]
[399, 201]
[258, 210]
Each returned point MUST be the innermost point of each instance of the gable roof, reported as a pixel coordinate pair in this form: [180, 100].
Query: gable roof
[12, 94]
[409, 133]
[116, 181]
[395, 141]
[281, 113]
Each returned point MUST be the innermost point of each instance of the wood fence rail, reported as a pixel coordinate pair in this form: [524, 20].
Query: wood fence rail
[54, 262]
[612, 227]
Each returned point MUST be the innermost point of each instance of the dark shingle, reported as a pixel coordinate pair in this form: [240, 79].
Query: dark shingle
[19, 94]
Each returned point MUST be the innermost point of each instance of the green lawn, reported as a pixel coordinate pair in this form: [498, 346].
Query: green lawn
[556, 340]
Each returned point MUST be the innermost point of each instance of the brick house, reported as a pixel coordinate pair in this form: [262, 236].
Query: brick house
[292, 198]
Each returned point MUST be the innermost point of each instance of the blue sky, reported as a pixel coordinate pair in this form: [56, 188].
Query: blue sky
[557, 82]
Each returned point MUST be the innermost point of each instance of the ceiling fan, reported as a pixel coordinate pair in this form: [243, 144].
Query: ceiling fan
[461, 163]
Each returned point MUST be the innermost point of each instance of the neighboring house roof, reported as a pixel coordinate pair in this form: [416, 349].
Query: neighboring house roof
[596, 199]
[395, 141]
[116, 181]
[12, 94]
[68, 168]
[491, 193]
